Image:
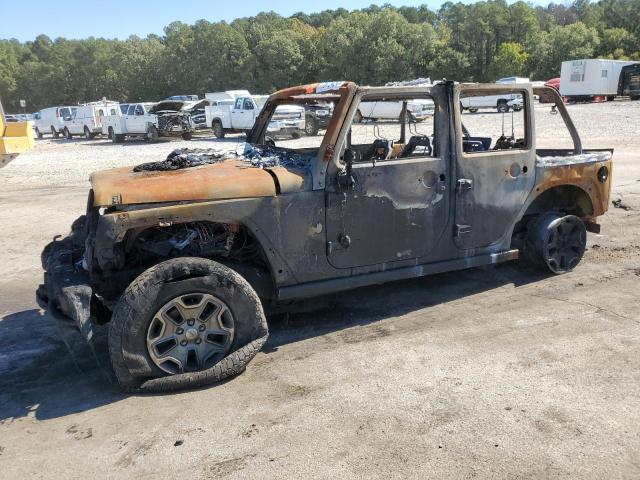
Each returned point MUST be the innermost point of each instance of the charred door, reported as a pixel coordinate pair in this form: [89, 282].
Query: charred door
[495, 166]
[396, 210]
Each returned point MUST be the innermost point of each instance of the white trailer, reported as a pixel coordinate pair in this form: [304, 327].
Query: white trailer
[590, 79]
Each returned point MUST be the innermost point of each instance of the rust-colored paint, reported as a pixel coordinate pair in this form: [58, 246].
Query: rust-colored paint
[224, 180]
[583, 176]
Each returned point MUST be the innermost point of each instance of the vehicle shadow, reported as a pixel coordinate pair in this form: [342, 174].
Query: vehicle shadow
[368, 305]
[41, 377]
[45, 379]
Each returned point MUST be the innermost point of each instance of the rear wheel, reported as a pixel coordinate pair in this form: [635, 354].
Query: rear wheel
[152, 134]
[185, 322]
[115, 137]
[110, 133]
[54, 134]
[187, 136]
[502, 106]
[556, 242]
[217, 128]
[87, 133]
[473, 110]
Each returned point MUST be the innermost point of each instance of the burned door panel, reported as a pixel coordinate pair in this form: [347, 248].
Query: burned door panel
[494, 173]
[396, 210]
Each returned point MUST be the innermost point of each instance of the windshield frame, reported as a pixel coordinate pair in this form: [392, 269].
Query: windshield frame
[339, 92]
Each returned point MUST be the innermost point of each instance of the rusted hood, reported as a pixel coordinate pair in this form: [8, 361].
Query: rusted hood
[224, 180]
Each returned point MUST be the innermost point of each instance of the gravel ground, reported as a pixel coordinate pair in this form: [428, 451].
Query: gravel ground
[486, 373]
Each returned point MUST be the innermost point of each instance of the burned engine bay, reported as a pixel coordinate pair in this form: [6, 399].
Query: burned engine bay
[172, 117]
[259, 156]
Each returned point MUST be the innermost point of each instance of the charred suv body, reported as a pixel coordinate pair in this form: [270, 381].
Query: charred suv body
[182, 255]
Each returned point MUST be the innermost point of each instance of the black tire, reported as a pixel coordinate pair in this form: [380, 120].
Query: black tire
[310, 126]
[187, 136]
[115, 137]
[67, 134]
[473, 110]
[134, 312]
[87, 133]
[635, 97]
[358, 118]
[152, 134]
[218, 129]
[110, 134]
[54, 133]
[502, 106]
[38, 133]
[556, 242]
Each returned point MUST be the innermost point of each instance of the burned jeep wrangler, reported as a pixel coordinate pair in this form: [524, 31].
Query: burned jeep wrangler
[182, 256]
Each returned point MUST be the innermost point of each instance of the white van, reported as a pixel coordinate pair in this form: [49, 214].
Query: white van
[50, 120]
[87, 119]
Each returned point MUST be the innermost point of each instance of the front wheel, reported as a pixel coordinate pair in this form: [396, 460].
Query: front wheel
[556, 242]
[87, 133]
[54, 133]
[503, 107]
[310, 126]
[67, 134]
[38, 133]
[187, 136]
[185, 322]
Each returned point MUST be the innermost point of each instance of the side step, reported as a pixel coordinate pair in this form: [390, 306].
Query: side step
[323, 287]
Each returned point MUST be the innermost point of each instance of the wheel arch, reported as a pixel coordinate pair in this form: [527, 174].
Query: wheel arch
[257, 268]
[568, 198]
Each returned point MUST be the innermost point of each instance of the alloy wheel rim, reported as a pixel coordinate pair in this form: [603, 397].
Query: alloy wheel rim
[190, 332]
[565, 245]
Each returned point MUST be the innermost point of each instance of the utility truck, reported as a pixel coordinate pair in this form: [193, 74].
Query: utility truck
[150, 121]
[182, 256]
[86, 119]
[240, 115]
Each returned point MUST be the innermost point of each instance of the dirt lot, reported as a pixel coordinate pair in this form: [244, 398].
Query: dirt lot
[487, 373]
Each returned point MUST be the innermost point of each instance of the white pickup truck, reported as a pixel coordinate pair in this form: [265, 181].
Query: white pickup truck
[502, 103]
[417, 110]
[239, 116]
[149, 120]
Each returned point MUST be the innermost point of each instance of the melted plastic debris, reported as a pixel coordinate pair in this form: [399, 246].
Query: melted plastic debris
[258, 156]
[573, 159]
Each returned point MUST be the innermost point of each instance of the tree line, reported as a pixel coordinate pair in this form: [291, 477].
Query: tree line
[465, 42]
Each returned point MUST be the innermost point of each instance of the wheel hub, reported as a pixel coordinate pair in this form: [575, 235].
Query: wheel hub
[190, 332]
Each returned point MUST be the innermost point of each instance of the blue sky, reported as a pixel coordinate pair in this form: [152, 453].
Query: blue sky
[25, 20]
